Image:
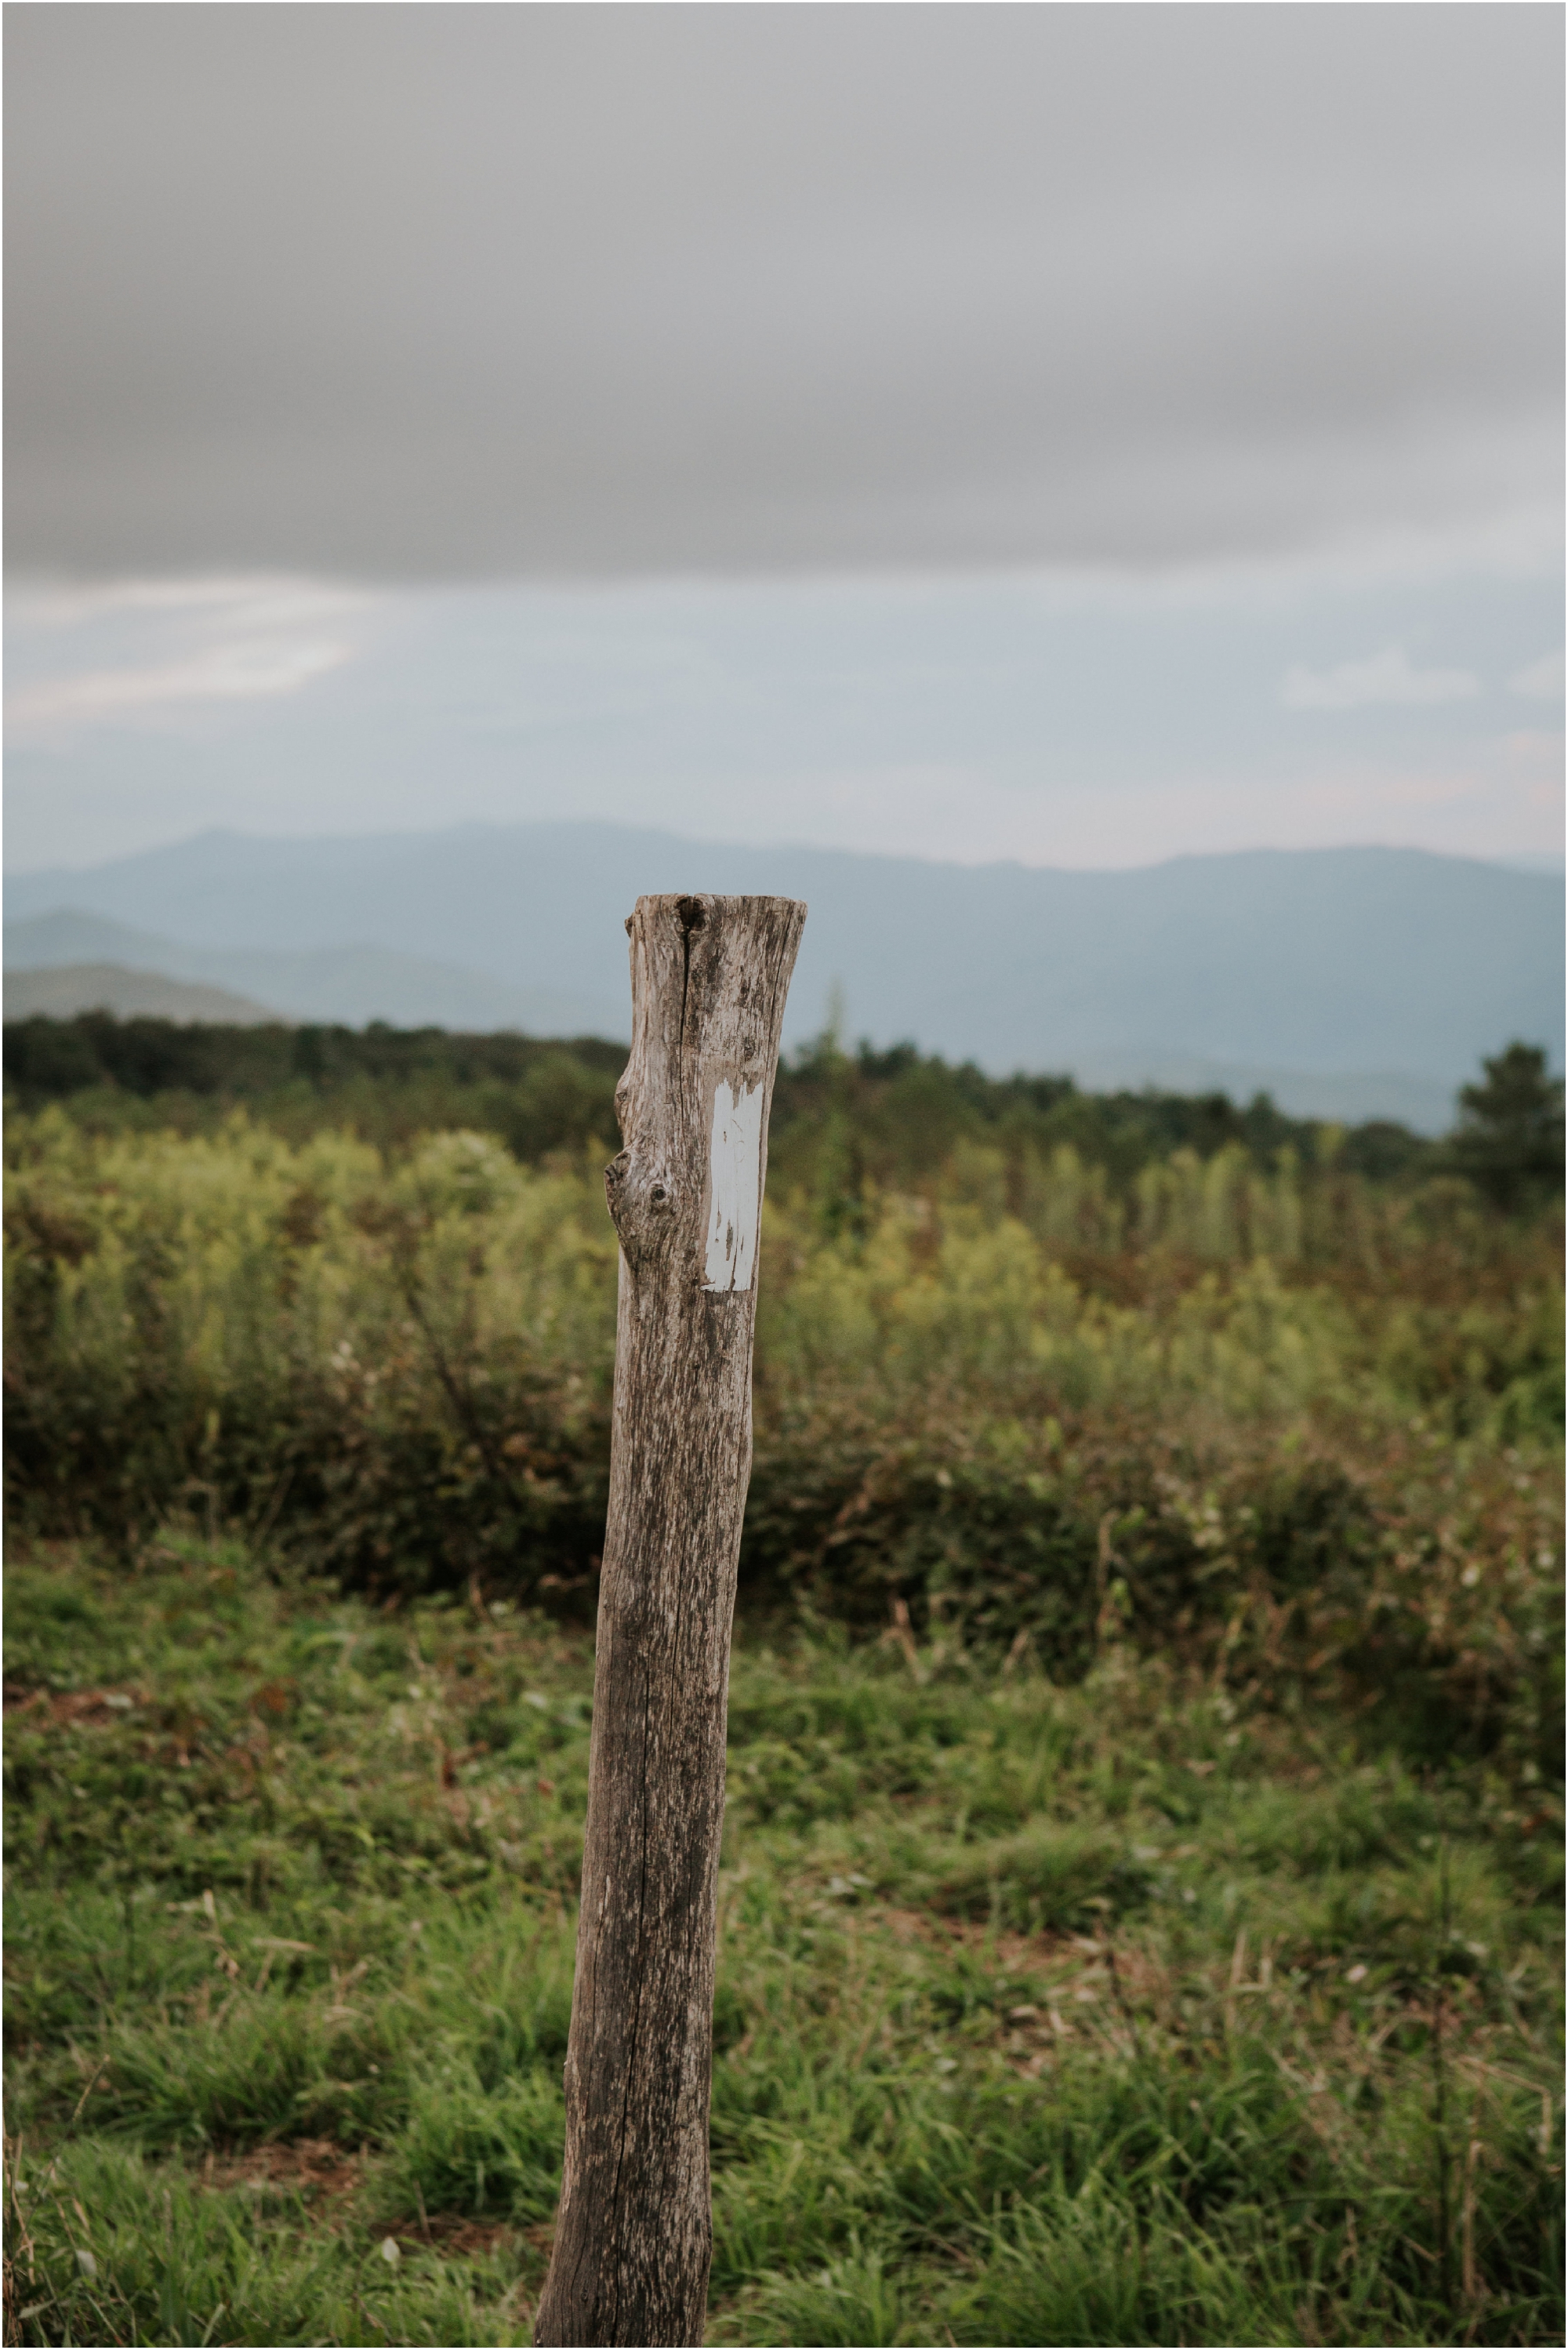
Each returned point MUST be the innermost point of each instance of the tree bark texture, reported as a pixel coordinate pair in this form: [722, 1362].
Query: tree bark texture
[634, 2232]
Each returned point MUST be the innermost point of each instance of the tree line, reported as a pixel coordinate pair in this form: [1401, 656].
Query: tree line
[841, 1118]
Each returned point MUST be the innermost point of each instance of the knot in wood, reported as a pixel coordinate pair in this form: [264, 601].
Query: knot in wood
[642, 1196]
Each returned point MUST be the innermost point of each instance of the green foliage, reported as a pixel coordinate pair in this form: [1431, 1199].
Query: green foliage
[389, 1085]
[1509, 1137]
[1141, 1877]
[416, 1368]
[1183, 1422]
[1119, 2014]
[839, 1119]
[894, 1118]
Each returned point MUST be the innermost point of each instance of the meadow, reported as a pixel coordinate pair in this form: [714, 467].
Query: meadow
[1141, 1896]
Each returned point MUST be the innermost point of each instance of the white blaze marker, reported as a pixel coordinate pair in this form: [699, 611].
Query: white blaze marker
[735, 1182]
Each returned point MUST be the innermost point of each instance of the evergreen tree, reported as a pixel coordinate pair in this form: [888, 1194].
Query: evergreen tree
[1508, 1140]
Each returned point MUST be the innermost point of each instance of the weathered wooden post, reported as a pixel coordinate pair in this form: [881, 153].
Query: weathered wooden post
[634, 2232]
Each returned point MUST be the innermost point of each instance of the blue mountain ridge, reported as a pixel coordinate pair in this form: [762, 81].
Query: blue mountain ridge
[1388, 970]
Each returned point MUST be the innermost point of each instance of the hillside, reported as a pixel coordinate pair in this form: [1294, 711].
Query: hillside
[352, 984]
[1352, 980]
[63, 990]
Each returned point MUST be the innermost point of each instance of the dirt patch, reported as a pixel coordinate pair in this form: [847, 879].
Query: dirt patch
[315, 2168]
[73, 1705]
[1017, 1954]
[450, 2232]
[905, 1926]
[447, 2231]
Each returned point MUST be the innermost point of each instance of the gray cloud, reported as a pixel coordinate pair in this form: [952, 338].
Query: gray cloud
[428, 291]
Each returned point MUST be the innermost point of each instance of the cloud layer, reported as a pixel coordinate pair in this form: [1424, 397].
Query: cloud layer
[437, 292]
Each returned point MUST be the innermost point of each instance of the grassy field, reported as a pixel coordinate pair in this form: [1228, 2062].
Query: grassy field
[1138, 2011]
[1142, 1891]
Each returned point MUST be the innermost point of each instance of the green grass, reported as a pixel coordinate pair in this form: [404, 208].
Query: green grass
[1127, 2013]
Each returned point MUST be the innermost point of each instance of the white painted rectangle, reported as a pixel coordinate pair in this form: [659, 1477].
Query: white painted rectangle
[736, 1187]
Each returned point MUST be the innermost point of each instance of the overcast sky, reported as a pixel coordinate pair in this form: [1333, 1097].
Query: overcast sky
[1070, 432]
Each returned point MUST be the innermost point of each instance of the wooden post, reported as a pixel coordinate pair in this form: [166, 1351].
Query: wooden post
[634, 2232]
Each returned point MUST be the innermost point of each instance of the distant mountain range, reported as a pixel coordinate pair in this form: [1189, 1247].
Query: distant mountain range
[1351, 983]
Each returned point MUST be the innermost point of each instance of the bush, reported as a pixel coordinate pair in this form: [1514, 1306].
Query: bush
[1278, 1470]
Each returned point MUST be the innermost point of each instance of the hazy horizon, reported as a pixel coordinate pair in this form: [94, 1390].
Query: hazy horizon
[1546, 864]
[1081, 720]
